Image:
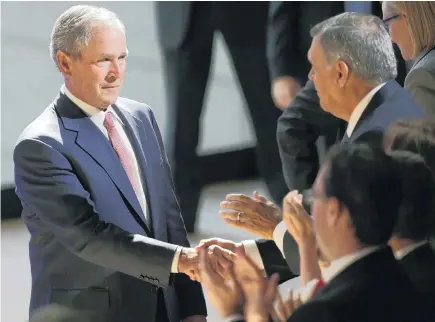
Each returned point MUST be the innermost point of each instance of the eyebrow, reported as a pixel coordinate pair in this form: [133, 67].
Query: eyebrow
[111, 56]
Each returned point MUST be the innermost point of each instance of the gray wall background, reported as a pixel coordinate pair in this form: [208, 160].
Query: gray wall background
[30, 81]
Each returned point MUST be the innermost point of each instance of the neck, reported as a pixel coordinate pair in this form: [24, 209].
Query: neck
[401, 243]
[346, 248]
[73, 90]
[354, 96]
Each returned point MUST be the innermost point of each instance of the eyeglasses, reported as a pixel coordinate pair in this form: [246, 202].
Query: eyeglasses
[386, 21]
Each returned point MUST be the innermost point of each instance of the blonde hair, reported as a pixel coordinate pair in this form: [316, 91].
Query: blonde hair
[421, 22]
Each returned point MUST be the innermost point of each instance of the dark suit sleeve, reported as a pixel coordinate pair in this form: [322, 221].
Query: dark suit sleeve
[190, 296]
[284, 56]
[313, 312]
[48, 186]
[299, 127]
[273, 260]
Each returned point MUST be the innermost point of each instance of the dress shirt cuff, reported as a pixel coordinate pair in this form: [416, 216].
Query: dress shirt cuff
[251, 250]
[278, 236]
[234, 318]
[174, 267]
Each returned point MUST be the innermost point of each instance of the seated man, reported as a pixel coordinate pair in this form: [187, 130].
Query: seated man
[415, 224]
[355, 208]
[353, 71]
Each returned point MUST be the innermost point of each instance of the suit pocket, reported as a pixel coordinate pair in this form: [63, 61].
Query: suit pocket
[83, 298]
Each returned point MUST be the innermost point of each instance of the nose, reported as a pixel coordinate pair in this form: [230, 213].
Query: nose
[310, 74]
[114, 70]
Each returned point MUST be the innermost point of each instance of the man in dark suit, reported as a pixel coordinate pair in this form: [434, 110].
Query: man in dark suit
[355, 206]
[186, 33]
[304, 122]
[354, 80]
[354, 212]
[415, 222]
[96, 189]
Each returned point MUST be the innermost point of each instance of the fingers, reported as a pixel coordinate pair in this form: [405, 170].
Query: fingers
[238, 206]
[271, 288]
[296, 302]
[207, 274]
[206, 243]
[292, 303]
[238, 197]
[231, 215]
[223, 257]
[280, 308]
[224, 243]
[259, 197]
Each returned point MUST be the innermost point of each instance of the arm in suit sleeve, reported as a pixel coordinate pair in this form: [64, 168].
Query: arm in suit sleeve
[299, 127]
[189, 293]
[284, 56]
[420, 83]
[273, 260]
[313, 311]
[47, 185]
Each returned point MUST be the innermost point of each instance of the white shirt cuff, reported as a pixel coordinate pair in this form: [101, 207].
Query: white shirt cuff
[234, 318]
[174, 267]
[251, 250]
[278, 236]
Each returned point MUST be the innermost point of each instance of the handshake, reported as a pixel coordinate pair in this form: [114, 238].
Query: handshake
[220, 254]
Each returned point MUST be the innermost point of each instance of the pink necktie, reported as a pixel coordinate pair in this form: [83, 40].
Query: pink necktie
[121, 150]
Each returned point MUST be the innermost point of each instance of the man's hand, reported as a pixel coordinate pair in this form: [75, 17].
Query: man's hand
[257, 215]
[221, 253]
[225, 294]
[223, 243]
[188, 263]
[284, 89]
[195, 318]
[220, 259]
[298, 222]
[259, 292]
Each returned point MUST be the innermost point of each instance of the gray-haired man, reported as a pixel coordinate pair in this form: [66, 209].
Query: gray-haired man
[96, 189]
[353, 71]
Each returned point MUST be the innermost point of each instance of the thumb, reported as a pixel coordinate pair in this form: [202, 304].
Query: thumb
[259, 197]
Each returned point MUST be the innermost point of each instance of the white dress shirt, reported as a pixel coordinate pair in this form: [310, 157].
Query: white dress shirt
[340, 264]
[408, 249]
[97, 117]
[279, 232]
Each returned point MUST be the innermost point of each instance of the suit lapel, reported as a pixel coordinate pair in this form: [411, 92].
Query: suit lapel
[134, 128]
[93, 142]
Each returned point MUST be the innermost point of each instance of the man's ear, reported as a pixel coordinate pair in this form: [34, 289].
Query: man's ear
[333, 211]
[343, 72]
[64, 62]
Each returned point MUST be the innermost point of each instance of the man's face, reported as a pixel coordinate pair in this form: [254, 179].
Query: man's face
[324, 78]
[98, 75]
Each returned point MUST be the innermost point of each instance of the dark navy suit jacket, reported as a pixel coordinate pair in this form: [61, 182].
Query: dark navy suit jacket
[391, 103]
[90, 248]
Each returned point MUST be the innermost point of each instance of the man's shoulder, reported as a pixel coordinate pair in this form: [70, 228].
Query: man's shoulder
[44, 127]
[136, 108]
[398, 104]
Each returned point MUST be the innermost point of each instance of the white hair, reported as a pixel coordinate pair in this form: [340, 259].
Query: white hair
[362, 42]
[72, 31]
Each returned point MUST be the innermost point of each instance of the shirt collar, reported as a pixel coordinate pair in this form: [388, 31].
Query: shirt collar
[360, 108]
[96, 115]
[408, 249]
[340, 264]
